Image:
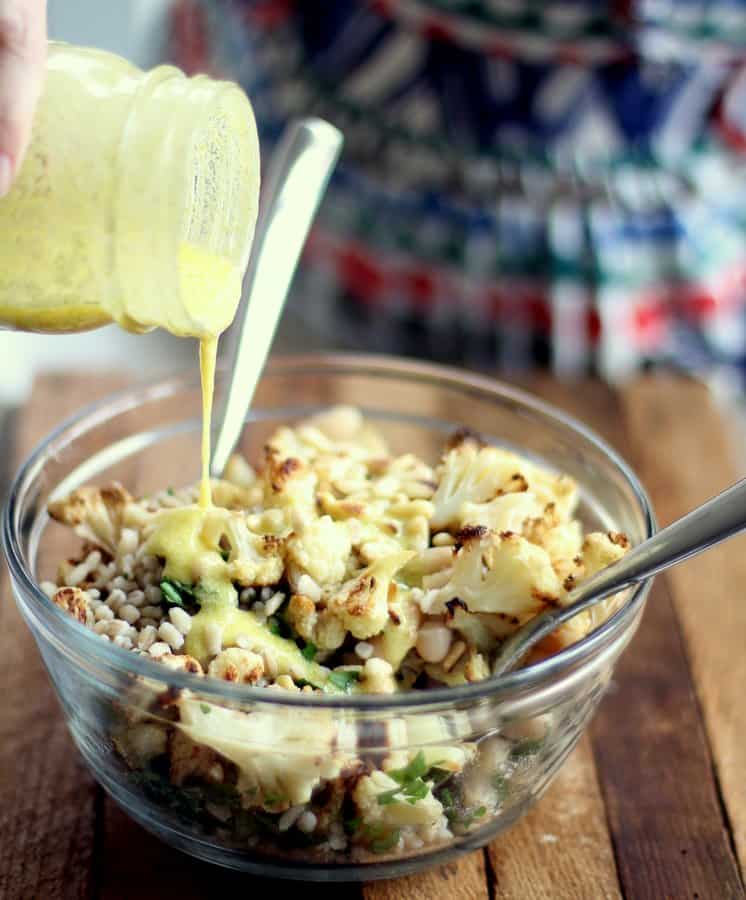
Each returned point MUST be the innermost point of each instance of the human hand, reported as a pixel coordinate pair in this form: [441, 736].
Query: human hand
[23, 47]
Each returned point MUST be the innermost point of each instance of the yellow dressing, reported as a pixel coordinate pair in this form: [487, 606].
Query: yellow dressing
[207, 355]
[234, 623]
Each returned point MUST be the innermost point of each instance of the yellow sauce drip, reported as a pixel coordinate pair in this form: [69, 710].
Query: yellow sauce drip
[207, 355]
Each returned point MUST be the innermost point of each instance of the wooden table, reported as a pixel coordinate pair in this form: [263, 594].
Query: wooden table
[652, 803]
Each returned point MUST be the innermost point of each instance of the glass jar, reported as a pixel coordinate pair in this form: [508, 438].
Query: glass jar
[136, 202]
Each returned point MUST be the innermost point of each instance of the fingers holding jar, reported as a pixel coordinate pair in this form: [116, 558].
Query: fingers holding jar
[23, 29]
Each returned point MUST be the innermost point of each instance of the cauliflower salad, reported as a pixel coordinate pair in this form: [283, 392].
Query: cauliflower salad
[335, 567]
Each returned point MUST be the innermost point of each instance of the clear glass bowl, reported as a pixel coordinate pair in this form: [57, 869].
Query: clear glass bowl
[515, 732]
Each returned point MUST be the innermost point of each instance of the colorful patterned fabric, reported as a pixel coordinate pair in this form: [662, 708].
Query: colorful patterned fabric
[557, 183]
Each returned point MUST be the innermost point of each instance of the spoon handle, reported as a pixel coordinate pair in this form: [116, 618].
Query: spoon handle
[298, 175]
[715, 521]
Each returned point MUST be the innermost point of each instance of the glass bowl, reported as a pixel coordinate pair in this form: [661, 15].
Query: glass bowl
[508, 738]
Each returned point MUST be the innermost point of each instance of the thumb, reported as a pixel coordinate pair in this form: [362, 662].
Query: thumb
[23, 27]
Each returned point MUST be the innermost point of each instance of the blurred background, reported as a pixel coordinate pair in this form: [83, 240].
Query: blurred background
[526, 183]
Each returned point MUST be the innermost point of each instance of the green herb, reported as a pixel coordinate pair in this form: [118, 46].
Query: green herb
[416, 790]
[525, 748]
[388, 797]
[309, 651]
[170, 491]
[274, 626]
[205, 708]
[343, 680]
[412, 785]
[171, 594]
[449, 804]
[176, 593]
[472, 815]
[273, 799]
[416, 768]
[225, 554]
[301, 683]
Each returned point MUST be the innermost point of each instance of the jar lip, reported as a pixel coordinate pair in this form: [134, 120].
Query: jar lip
[80, 639]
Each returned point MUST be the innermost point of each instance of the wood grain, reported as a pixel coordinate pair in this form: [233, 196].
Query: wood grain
[47, 798]
[684, 458]
[561, 850]
[655, 767]
[462, 879]
[669, 834]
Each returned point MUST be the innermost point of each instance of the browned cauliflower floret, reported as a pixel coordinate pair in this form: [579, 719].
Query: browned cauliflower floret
[237, 665]
[321, 549]
[362, 603]
[503, 574]
[181, 662]
[96, 514]
[599, 550]
[474, 475]
[319, 626]
[73, 601]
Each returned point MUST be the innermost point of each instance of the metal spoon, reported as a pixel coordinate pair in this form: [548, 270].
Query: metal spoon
[715, 521]
[298, 175]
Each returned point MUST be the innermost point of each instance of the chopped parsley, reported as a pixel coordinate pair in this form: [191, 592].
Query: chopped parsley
[412, 786]
[170, 491]
[274, 626]
[343, 680]
[309, 651]
[177, 593]
[416, 768]
[225, 554]
[205, 708]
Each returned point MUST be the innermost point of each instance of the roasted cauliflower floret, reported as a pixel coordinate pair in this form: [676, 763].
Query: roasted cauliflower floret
[318, 626]
[396, 810]
[321, 549]
[504, 574]
[74, 601]
[601, 550]
[181, 662]
[96, 514]
[290, 484]
[507, 512]
[399, 634]
[475, 474]
[253, 559]
[361, 604]
[234, 664]
[281, 757]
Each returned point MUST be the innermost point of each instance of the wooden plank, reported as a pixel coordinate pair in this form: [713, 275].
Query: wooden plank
[47, 799]
[656, 771]
[563, 847]
[561, 850]
[669, 804]
[685, 457]
[464, 878]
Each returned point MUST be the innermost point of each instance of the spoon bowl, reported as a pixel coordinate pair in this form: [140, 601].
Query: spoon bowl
[716, 520]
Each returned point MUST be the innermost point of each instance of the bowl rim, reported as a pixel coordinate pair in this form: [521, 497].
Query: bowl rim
[72, 633]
